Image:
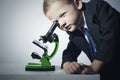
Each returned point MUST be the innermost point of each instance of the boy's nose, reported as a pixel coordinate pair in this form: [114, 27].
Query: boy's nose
[62, 24]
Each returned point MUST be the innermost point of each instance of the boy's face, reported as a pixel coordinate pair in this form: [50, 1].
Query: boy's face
[68, 15]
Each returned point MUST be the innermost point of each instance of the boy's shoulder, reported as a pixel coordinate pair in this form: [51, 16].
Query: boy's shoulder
[92, 5]
[98, 5]
[96, 1]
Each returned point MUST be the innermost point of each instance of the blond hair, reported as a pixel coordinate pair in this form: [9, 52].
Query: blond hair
[48, 3]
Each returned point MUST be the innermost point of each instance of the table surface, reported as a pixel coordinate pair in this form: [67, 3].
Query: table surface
[17, 72]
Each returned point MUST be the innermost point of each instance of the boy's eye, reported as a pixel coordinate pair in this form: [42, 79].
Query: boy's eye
[63, 14]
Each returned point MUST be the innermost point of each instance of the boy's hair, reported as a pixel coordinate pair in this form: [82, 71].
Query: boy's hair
[48, 3]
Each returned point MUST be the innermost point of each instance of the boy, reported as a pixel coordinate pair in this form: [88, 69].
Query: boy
[102, 21]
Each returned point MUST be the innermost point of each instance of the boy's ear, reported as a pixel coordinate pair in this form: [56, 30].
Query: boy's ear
[78, 4]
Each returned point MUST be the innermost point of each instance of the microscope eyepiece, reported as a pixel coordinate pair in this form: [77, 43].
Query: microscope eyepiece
[48, 37]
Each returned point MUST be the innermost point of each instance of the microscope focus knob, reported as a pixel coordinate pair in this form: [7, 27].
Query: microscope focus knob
[35, 55]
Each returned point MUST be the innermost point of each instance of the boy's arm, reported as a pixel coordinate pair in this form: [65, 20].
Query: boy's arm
[109, 24]
[108, 19]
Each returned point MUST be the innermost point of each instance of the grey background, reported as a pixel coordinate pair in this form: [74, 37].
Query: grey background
[22, 21]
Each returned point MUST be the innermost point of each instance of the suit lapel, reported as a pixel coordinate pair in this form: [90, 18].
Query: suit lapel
[92, 24]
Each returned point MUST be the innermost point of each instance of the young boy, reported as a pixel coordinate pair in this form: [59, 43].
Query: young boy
[103, 24]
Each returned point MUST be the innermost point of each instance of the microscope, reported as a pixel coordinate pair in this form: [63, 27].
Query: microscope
[44, 60]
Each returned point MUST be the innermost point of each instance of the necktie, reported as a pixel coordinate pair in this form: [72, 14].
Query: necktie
[90, 41]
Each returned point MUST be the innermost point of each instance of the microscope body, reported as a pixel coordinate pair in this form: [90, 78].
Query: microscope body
[44, 60]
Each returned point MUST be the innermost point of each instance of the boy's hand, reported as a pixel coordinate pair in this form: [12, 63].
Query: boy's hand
[80, 68]
[87, 69]
[93, 68]
[72, 67]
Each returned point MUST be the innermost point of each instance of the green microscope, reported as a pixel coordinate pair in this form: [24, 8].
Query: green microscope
[44, 61]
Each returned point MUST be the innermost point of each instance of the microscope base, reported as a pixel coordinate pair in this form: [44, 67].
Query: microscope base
[38, 67]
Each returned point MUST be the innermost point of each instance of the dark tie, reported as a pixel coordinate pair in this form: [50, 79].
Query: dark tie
[90, 41]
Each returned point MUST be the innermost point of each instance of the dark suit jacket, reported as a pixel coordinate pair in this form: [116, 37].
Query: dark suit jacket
[103, 22]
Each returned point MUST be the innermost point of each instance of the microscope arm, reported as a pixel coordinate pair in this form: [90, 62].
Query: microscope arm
[56, 41]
